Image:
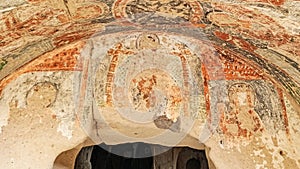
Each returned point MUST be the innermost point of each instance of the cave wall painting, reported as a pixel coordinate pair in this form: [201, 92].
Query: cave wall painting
[158, 12]
[44, 84]
[245, 94]
[267, 108]
[139, 73]
[150, 76]
[256, 29]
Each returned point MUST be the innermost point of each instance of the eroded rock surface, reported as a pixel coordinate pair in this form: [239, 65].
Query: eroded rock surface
[216, 75]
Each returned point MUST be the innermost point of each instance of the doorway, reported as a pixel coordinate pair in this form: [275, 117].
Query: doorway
[140, 156]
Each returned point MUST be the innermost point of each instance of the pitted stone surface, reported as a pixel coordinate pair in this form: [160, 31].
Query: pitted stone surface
[219, 75]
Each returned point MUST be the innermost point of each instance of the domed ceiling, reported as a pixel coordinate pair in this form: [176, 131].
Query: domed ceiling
[224, 73]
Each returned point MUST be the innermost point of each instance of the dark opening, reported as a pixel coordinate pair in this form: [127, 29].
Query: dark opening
[102, 159]
[189, 158]
[122, 156]
[193, 164]
[140, 156]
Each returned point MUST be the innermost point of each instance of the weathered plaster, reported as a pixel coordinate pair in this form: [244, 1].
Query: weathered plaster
[216, 75]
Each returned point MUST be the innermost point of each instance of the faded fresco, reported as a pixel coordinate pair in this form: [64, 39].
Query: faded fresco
[221, 76]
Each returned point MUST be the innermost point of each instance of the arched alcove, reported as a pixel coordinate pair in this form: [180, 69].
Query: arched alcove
[140, 156]
[189, 158]
[193, 164]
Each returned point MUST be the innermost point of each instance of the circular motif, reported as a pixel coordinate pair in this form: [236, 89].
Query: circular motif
[89, 11]
[42, 94]
[147, 41]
